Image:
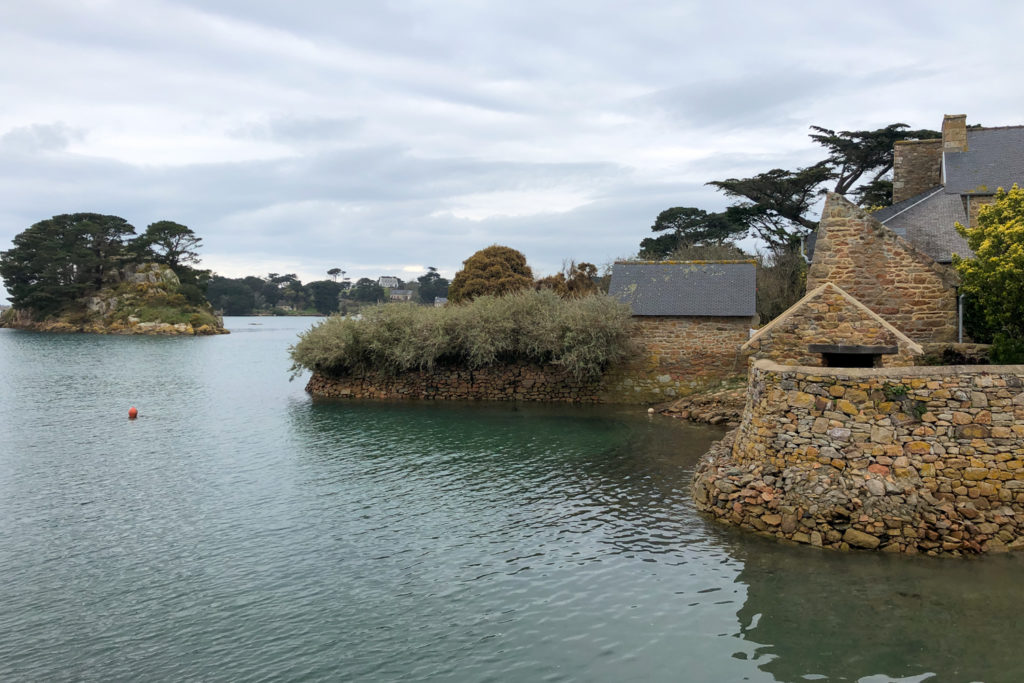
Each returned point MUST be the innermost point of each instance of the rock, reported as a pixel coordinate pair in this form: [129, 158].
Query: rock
[860, 539]
[875, 487]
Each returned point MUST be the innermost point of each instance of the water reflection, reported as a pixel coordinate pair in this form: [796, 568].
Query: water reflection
[851, 617]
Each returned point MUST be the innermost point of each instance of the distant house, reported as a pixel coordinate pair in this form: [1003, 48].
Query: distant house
[401, 295]
[440, 301]
[389, 282]
[937, 183]
[690, 318]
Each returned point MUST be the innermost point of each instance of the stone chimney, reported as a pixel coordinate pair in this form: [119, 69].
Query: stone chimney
[954, 133]
[917, 167]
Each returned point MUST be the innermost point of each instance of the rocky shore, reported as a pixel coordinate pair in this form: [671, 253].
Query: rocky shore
[722, 407]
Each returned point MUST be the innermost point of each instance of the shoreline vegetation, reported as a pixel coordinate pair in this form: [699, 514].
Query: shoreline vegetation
[583, 336]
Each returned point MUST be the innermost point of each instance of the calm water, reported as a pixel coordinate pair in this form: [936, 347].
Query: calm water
[239, 530]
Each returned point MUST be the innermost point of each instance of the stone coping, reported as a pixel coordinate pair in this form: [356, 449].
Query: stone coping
[894, 372]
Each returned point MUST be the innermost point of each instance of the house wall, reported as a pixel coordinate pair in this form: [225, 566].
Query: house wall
[680, 355]
[884, 272]
[927, 459]
[829, 318]
[916, 167]
[676, 356]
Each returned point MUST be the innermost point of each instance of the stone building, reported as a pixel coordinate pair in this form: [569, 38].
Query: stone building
[690, 318]
[828, 327]
[883, 271]
[938, 183]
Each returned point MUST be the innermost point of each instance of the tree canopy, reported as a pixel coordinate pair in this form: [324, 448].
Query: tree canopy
[59, 260]
[994, 278]
[170, 243]
[432, 285]
[494, 270]
[688, 226]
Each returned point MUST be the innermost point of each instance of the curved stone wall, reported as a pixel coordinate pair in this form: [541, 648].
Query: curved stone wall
[923, 459]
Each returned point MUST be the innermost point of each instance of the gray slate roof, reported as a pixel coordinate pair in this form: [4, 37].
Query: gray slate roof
[994, 159]
[694, 289]
[927, 221]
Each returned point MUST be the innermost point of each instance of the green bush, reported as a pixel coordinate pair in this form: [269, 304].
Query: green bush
[1007, 350]
[584, 336]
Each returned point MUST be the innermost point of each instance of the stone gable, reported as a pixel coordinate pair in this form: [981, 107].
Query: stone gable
[884, 272]
[828, 315]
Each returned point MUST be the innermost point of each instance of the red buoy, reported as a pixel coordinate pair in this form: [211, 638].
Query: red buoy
[132, 413]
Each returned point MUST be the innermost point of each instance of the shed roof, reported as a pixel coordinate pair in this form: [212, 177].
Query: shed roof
[689, 288]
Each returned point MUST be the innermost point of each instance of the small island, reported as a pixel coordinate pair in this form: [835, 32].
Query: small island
[85, 272]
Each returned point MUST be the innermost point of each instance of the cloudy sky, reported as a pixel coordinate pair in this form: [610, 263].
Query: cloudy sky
[383, 137]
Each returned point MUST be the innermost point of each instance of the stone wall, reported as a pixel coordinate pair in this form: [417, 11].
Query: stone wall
[676, 356]
[680, 355]
[916, 167]
[884, 272]
[914, 460]
[519, 382]
[828, 315]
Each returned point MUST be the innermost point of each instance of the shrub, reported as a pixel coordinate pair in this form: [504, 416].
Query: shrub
[495, 270]
[584, 336]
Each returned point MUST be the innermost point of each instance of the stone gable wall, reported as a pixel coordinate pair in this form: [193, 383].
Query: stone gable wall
[885, 273]
[676, 356]
[914, 460]
[829, 318]
[916, 167]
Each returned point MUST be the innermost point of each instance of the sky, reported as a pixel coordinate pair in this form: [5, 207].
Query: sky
[385, 137]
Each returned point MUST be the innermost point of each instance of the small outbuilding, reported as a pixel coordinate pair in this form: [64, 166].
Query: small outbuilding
[690, 317]
[830, 328]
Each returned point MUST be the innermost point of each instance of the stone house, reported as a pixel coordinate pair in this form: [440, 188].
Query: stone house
[828, 327]
[883, 271]
[690, 319]
[389, 282]
[400, 295]
[938, 183]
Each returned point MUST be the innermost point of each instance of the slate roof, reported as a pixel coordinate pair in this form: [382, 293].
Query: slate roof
[994, 159]
[927, 221]
[686, 288]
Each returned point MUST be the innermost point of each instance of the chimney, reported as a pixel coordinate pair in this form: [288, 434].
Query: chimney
[954, 133]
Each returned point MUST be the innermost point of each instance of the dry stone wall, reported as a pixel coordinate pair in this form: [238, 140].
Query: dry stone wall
[913, 460]
[518, 382]
[827, 316]
[884, 272]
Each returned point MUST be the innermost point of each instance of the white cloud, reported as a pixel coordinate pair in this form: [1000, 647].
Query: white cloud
[300, 136]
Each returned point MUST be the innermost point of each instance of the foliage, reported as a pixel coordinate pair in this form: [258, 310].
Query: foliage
[1007, 350]
[323, 295]
[495, 270]
[584, 336]
[367, 290]
[781, 281]
[994, 278]
[432, 285]
[57, 261]
[774, 204]
[168, 242]
[335, 272]
[854, 153]
[574, 281]
[691, 226]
